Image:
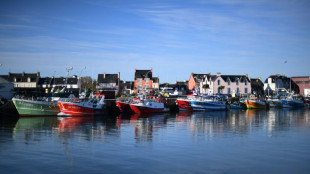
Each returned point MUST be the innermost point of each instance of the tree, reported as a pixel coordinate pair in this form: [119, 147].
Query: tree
[205, 86]
[221, 88]
[88, 83]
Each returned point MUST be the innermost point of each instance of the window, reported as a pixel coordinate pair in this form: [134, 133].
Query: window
[228, 90]
[147, 80]
[245, 90]
[237, 90]
[228, 82]
[218, 82]
[139, 79]
[140, 86]
[246, 82]
[218, 90]
[147, 86]
[237, 82]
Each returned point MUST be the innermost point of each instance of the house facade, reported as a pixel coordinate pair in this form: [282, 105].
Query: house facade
[220, 84]
[235, 85]
[58, 84]
[127, 87]
[24, 83]
[196, 83]
[143, 81]
[109, 84]
[278, 81]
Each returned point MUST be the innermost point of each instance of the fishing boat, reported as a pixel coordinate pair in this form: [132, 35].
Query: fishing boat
[150, 104]
[274, 103]
[184, 103]
[123, 105]
[236, 103]
[36, 107]
[208, 102]
[292, 101]
[254, 102]
[82, 107]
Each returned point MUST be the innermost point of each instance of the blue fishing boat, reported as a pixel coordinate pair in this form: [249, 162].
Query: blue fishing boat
[202, 103]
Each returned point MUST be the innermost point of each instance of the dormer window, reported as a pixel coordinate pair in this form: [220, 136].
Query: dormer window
[237, 82]
[28, 79]
[14, 79]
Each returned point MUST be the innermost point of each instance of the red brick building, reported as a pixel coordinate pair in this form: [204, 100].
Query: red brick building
[143, 81]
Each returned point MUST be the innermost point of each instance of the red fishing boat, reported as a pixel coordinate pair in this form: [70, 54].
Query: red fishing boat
[82, 107]
[150, 104]
[123, 105]
[184, 103]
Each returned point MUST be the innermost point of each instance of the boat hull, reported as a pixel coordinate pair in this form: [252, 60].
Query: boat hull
[184, 105]
[136, 108]
[255, 104]
[237, 106]
[208, 105]
[292, 103]
[72, 109]
[123, 106]
[35, 108]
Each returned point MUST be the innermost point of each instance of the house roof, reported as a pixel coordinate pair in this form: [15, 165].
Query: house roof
[234, 78]
[256, 81]
[45, 80]
[22, 77]
[202, 77]
[109, 78]
[142, 74]
[277, 76]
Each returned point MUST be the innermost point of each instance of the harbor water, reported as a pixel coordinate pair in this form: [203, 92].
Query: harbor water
[235, 141]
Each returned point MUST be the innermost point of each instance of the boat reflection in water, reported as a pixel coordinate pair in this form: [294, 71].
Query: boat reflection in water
[34, 128]
[71, 124]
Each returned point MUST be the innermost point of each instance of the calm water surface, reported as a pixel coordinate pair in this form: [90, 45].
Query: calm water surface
[251, 141]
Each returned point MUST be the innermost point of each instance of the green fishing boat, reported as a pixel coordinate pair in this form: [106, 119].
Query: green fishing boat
[26, 107]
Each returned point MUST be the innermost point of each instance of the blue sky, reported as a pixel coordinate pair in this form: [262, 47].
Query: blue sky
[173, 37]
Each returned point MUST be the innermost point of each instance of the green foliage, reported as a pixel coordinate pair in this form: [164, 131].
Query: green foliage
[221, 87]
[205, 86]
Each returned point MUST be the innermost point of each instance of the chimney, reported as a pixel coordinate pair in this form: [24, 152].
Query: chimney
[135, 70]
[218, 74]
[38, 74]
[176, 82]
[9, 74]
[151, 69]
[118, 75]
[104, 75]
[23, 74]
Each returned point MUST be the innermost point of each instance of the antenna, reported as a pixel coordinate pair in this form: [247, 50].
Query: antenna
[70, 68]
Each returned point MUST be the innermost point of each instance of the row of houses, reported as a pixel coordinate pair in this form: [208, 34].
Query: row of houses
[144, 82]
